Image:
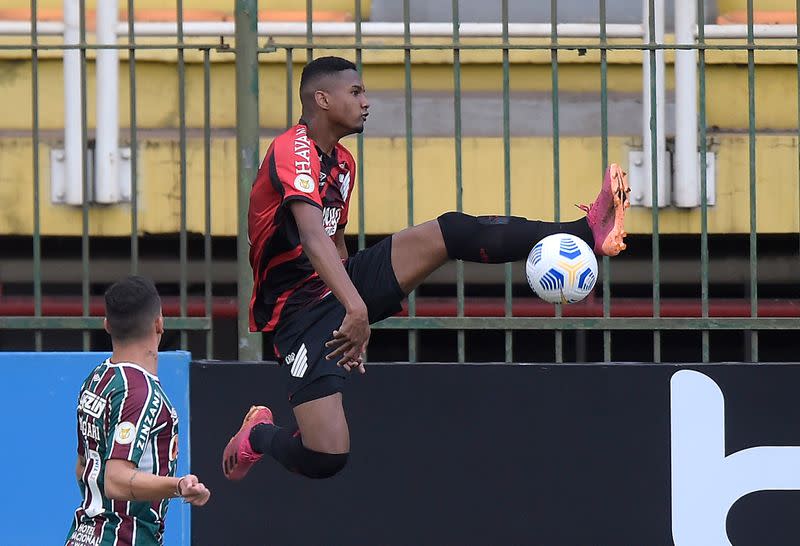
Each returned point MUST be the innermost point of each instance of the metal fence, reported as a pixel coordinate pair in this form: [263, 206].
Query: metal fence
[75, 45]
[353, 37]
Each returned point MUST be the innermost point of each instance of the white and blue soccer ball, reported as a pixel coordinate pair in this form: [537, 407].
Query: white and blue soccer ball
[561, 268]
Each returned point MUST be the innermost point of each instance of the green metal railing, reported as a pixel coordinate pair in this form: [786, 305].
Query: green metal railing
[559, 335]
[459, 172]
[651, 22]
[413, 337]
[606, 263]
[247, 158]
[84, 184]
[37, 243]
[85, 323]
[247, 51]
[705, 342]
[751, 135]
[507, 273]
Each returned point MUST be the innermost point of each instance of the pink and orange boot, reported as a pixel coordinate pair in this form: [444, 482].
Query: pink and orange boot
[239, 457]
[606, 215]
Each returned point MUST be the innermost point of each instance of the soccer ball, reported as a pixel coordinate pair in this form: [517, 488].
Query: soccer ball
[561, 268]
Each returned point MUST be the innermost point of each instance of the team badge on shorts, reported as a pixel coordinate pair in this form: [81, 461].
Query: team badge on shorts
[298, 361]
[304, 183]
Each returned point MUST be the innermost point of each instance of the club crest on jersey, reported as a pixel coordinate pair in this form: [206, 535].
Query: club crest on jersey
[304, 183]
[124, 434]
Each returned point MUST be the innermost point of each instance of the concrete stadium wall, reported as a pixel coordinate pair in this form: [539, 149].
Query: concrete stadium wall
[524, 11]
[516, 454]
[37, 417]
[433, 143]
[282, 5]
[434, 188]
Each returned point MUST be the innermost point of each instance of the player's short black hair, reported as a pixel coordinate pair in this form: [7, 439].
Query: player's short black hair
[132, 305]
[323, 66]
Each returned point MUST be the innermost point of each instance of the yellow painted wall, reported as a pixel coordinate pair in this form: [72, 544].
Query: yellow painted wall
[760, 5]
[157, 99]
[157, 88]
[434, 184]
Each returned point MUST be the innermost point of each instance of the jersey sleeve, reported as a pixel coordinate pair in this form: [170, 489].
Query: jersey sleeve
[351, 164]
[130, 417]
[294, 171]
[81, 446]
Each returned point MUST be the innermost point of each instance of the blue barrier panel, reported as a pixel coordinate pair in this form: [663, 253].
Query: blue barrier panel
[38, 400]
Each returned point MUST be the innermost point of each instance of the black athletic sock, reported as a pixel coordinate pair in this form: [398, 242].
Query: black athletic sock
[498, 239]
[286, 447]
[261, 437]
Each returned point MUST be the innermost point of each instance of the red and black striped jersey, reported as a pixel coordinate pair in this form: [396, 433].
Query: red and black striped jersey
[284, 280]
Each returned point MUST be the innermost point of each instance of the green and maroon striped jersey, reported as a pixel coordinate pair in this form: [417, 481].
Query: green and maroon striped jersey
[123, 413]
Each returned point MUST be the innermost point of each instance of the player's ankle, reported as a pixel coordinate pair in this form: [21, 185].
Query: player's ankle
[261, 437]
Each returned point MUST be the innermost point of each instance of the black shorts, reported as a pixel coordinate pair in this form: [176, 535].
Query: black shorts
[300, 341]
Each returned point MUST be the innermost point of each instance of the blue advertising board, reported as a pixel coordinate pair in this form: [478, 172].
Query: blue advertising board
[38, 400]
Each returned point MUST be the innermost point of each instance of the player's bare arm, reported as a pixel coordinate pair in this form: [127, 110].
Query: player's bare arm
[338, 239]
[350, 340]
[124, 482]
[80, 467]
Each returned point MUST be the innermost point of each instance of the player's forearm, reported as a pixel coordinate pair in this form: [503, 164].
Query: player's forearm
[134, 485]
[80, 467]
[325, 258]
[341, 247]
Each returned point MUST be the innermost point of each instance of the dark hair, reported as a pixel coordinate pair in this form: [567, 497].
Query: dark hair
[132, 305]
[323, 66]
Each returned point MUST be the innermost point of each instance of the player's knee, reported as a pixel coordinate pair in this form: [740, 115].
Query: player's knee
[487, 239]
[458, 229]
[325, 465]
[451, 222]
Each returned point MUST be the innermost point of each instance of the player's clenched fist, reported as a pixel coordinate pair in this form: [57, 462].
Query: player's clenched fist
[192, 491]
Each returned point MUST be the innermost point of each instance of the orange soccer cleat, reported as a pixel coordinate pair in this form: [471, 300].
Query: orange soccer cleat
[239, 456]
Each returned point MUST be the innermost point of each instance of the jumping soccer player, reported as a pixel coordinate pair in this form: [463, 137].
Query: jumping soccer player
[318, 302]
[128, 431]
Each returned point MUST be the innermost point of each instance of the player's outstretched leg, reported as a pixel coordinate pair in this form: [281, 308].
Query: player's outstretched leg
[420, 250]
